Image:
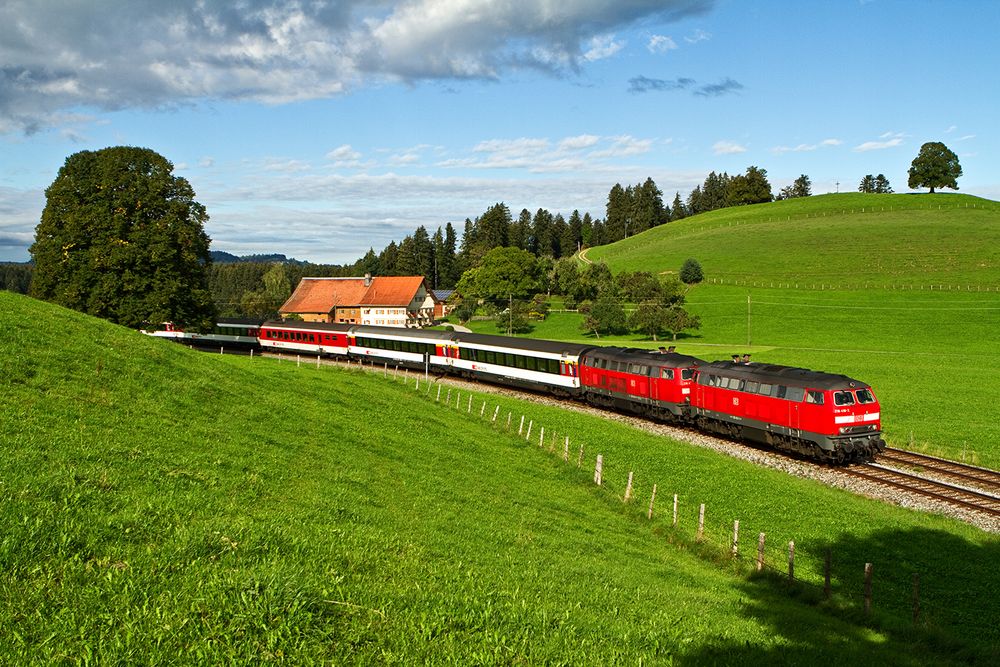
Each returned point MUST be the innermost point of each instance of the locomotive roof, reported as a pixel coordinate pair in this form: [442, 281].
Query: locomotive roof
[316, 326]
[643, 356]
[789, 376]
[530, 344]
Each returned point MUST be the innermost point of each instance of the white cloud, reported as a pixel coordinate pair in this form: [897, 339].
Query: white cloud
[727, 148]
[152, 54]
[801, 148]
[967, 137]
[661, 44]
[602, 47]
[578, 142]
[622, 146]
[888, 140]
[697, 36]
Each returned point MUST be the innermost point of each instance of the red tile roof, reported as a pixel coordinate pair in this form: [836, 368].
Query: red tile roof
[392, 290]
[322, 295]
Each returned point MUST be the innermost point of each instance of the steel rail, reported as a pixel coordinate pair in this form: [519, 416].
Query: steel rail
[946, 493]
[961, 471]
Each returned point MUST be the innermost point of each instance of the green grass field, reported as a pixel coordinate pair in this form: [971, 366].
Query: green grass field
[162, 505]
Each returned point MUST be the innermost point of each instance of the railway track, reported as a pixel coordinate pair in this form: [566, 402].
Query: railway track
[951, 494]
[982, 479]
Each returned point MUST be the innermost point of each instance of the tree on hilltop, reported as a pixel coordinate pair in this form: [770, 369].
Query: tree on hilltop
[122, 238]
[875, 185]
[935, 166]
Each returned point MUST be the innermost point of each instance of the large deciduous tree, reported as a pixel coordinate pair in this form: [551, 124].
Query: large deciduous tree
[934, 167]
[504, 274]
[122, 238]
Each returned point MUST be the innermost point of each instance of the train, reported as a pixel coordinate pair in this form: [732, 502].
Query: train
[820, 416]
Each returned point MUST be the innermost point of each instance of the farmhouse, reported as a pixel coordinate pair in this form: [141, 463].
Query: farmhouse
[391, 301]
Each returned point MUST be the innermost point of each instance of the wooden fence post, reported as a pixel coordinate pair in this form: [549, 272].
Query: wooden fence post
[826, 574]
[317, 359]
[736, 538]
[652, 499]
[868, 589]
[448, 399]
[416, 386]
[628, 489]
[791, 560]
[520, 429]
[495, 413]
[579, 460]
[541, 438]
[509, 415]
[298, 360]
[482, 410]
[701, 522]
[760, 552]
[531, 422]
[599, 470]
[566, 450]
[469, 410]
[385, 370]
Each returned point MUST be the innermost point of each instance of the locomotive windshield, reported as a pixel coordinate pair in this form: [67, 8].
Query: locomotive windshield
[865, 396]
[843, 398]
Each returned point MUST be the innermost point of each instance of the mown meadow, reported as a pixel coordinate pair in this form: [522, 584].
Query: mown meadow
[163, 505]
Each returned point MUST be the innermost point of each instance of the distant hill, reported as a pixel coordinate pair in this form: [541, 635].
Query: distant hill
[844, 239]
[222, 257]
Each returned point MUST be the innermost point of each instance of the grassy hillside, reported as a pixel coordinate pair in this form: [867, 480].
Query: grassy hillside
[845, 240]
[164, 505]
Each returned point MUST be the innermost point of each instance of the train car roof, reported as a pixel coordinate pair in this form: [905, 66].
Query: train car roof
[430, 334]
[239, 321]
[529, 344]
[644, 356]
[316, 326]
[787, 375]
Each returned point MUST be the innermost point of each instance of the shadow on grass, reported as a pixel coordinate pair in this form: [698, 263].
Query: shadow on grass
[959, 604]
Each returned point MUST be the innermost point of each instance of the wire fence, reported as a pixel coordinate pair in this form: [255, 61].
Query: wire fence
[871, 589]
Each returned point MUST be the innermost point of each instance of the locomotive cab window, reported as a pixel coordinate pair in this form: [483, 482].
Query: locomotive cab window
[843, 398]
[813, 396]
[666, 373]
[687, 374]
[865, 396]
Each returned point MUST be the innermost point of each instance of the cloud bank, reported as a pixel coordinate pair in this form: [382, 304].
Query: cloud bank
[59, 56]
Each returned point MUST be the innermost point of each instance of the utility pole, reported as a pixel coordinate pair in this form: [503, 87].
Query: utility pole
[510, 314]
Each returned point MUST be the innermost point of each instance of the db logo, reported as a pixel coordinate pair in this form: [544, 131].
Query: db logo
[736, 400]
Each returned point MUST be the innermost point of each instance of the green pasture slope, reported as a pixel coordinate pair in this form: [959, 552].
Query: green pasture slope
[162, 505]
[902, 291]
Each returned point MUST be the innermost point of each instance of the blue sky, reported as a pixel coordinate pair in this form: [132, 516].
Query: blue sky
[320, 129]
